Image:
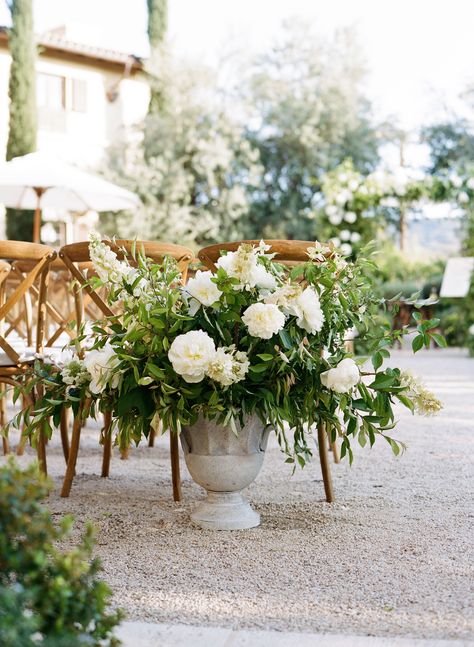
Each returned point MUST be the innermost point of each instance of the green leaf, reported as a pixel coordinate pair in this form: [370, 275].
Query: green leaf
[417, 343]
[266, 357]
[258, 368]
[439, 339]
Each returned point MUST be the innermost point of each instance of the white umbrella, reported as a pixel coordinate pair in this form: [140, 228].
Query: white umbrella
[37, 180]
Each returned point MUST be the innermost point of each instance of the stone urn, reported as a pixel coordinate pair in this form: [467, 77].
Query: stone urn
[224, 464]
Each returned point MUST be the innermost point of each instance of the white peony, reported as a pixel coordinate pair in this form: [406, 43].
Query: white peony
[102, 365]
[202, 290]
[263, 320]
[343, 377]
[191, 353]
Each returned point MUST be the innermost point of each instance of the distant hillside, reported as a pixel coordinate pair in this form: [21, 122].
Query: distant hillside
[432, 237]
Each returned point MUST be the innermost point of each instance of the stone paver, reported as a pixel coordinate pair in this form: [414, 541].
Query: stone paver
[142, 634]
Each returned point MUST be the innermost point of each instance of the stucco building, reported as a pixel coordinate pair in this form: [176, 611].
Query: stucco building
[87, 97]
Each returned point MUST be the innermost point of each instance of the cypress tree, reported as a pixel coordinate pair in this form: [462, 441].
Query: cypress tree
[157, 26]
[21, 90]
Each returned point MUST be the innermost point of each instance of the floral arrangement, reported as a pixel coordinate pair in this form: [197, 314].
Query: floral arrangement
[255, 336]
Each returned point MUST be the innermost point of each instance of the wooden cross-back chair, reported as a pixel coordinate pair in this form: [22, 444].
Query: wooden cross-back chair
[287, 252]
[76, 257]
[15, 359]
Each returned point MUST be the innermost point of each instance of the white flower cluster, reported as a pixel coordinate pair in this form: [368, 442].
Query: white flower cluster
[102, 365]
[426, 403]
[115, 272]
[73, 371]
[343, 377]
[194, 356]
[244, 266]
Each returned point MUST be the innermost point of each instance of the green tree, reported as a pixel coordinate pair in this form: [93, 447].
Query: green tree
[21, 90]
[157, 26]
[190, 164]
[308, 114]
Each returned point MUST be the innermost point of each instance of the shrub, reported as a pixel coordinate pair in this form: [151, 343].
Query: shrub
[47, 596]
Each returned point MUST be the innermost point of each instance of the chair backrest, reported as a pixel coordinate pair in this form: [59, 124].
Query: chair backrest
[38, 259]
[287, 252]
[76, 257]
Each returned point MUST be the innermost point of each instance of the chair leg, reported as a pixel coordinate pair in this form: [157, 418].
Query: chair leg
[41, 451]
[6, 446]
[175, 472]
[73, 452]
[323, 457]
[151, 438]
[107, 443]
[64, 426]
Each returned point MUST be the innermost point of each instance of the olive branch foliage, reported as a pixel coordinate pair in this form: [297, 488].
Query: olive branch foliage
[283, 385]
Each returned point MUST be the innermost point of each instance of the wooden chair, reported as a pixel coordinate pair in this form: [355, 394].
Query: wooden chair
[13, 360]
[287, 252]
[75, 257]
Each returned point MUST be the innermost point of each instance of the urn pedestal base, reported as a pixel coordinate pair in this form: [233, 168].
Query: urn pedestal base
[225, 511]
[224, 463]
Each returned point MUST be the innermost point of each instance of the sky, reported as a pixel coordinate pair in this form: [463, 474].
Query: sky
[419, 53]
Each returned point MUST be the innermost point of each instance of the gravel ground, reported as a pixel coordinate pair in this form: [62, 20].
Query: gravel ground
[392, 557]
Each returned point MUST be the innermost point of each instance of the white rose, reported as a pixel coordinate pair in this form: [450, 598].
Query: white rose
[345, 234]
[463, 197]
[343, 377]
[355, 237]
[471, 329]
[263, 279]
[190, 355]
[102, 365]
[203, 291]
[311, 317]
[350, 217]
[263, 320]
[470, 183]
[302, 304]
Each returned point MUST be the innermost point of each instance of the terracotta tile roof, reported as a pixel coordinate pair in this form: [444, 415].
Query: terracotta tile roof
[53, 43]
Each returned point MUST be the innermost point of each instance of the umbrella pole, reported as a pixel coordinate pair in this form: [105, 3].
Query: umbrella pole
[37, 218]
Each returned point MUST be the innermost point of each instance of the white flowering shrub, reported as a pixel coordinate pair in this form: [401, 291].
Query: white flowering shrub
[354, 208]
[252, 337]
